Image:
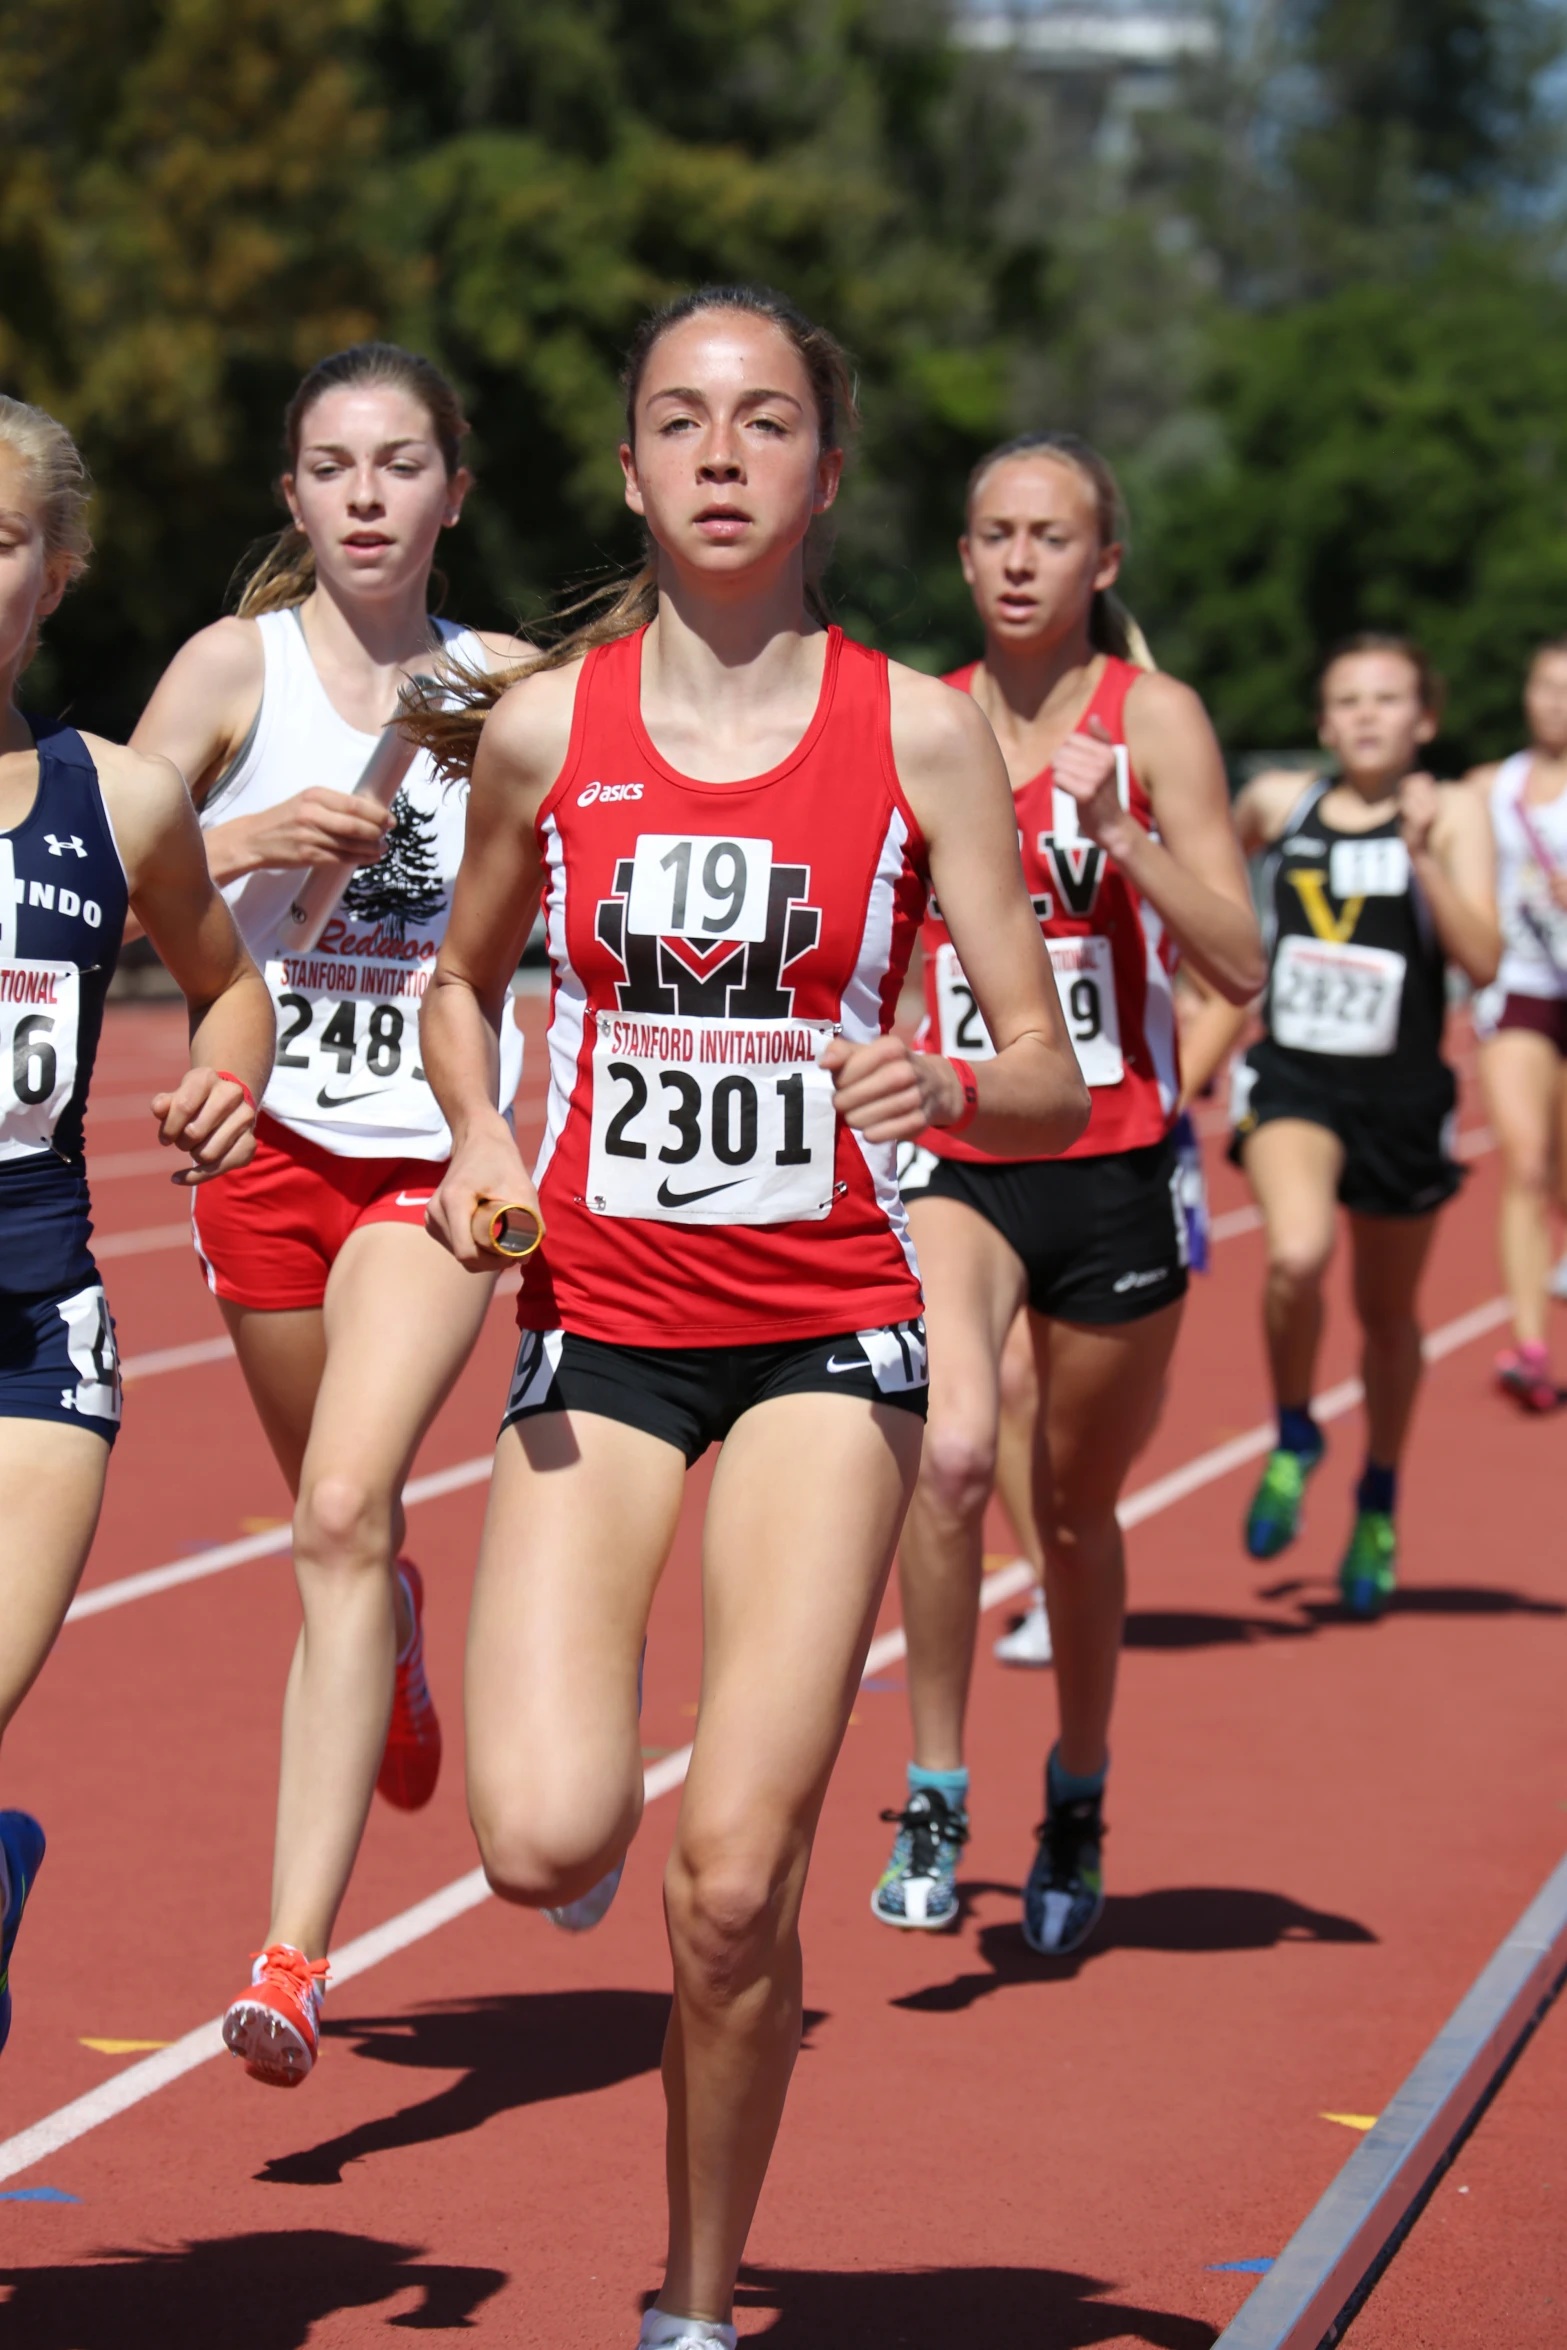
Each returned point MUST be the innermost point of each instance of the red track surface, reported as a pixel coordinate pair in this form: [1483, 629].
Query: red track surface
[1319, 1834]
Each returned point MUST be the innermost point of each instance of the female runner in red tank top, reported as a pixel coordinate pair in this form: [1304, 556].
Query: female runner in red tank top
[726, 1259]
[1123, 819]
[350, 1327]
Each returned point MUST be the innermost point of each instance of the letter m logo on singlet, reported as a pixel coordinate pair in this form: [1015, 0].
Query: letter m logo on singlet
[735, 980]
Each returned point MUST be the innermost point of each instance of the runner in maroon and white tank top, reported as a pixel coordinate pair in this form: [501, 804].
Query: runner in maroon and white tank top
[1122, 817]
[733, 817]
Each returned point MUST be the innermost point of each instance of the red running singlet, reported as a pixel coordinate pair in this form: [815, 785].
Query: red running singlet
[1111, 955]
[705, 941]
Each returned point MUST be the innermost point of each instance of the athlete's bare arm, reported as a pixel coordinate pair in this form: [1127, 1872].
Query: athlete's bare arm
[1262, 806]
[172, 894]
[201, 710]
[1481, 778]
[521, 752]
[1032, 1096]
[1192, 873]
[1447, 830]
[1208, 1038]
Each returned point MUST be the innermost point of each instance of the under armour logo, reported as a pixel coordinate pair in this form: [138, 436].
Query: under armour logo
[57, 848]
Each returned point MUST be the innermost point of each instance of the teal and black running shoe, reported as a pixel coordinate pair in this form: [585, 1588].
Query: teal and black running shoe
[1064, 1898]
[24, 1851]
[1273, 1521]
[918, 1887]
[1369, 1572]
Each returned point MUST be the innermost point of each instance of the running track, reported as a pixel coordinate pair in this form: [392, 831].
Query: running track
[1319, 1834]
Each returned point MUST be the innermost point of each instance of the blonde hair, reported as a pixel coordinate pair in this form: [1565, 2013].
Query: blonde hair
[57, 477]
[283, 571]
[446, 715]
[1111, 628]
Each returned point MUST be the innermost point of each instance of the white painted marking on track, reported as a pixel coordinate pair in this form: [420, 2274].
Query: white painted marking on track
[176, 1358]
[224, 1555]
[144, 2079]
[138, 1244]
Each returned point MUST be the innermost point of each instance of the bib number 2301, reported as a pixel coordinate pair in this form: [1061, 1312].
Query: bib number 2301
[711, 1121]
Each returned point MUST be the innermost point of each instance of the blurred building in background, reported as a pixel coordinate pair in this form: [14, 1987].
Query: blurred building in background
[1107, 64]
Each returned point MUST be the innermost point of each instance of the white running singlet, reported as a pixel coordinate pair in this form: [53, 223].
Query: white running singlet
[1534, 927]
[347, 1075]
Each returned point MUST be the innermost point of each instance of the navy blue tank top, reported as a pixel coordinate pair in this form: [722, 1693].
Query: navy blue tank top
[63, 902]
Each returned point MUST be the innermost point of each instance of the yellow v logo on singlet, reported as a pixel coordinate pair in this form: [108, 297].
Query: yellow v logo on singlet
[1312, 890]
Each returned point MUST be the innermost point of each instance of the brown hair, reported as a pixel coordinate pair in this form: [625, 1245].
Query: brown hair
[1428, 684]
[1111, 628]
[283, 571]
[447, 717]
[57, 477]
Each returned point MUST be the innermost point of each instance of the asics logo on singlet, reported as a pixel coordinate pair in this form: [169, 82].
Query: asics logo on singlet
[1140, 1280]
[57, 848]
[605, 794]
[741, 979]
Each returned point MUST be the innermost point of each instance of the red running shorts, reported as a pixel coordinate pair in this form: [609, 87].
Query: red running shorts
[269, 1234]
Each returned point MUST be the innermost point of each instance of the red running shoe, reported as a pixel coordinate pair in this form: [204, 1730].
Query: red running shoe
[274, 2028]
[412, 1761]
[1524, 1373]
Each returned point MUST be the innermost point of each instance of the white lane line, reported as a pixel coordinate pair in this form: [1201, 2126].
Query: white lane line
[152, 2073]
[139, 1243]
[224, 1555]
[177, 1358]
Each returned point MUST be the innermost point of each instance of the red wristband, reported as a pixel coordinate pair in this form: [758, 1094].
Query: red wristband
[229, 1077]
[970, 1110]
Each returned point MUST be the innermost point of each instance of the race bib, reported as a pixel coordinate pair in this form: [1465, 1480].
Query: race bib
[1085, 980]
[39, 1011]
[1329, 997]
[348, 1044]
[711, 1121]
[1368, 869]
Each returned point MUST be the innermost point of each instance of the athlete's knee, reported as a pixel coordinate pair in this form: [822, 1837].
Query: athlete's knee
[1298, 1260]
[1530, 1173]
[343, 1520]
[541, 1855]
[957, 1465]
[728, 1910]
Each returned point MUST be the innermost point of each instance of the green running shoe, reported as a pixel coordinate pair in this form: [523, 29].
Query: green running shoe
[1369, 1572]
[1273, 1521]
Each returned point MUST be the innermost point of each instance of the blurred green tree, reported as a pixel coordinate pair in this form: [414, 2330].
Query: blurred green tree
[197, 200]
[1389, 457]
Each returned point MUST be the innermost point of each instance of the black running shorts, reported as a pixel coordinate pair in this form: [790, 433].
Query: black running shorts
[1102, 1240]
[1398, 1144]
[691, 1396]
[58, 1360]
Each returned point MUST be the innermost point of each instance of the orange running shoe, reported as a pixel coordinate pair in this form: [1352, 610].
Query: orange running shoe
[274, 2028]
[412, 1761]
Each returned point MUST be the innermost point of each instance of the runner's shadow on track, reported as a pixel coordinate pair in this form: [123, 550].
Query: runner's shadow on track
[1188, 1918]
[931, 2309]
[519, 2049]
[522, 2048]
[267, 2291]
[1183, 1628]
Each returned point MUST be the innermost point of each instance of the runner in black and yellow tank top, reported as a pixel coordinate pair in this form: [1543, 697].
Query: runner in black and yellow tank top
[1373, 884]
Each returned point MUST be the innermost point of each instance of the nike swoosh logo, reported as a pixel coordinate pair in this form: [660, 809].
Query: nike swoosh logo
[414, 1199]
[338, 1101]
[685, 1199]
[859, 1364]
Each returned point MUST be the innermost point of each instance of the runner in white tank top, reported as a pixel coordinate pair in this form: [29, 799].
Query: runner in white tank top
[273, 715]
[1521, 1019]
